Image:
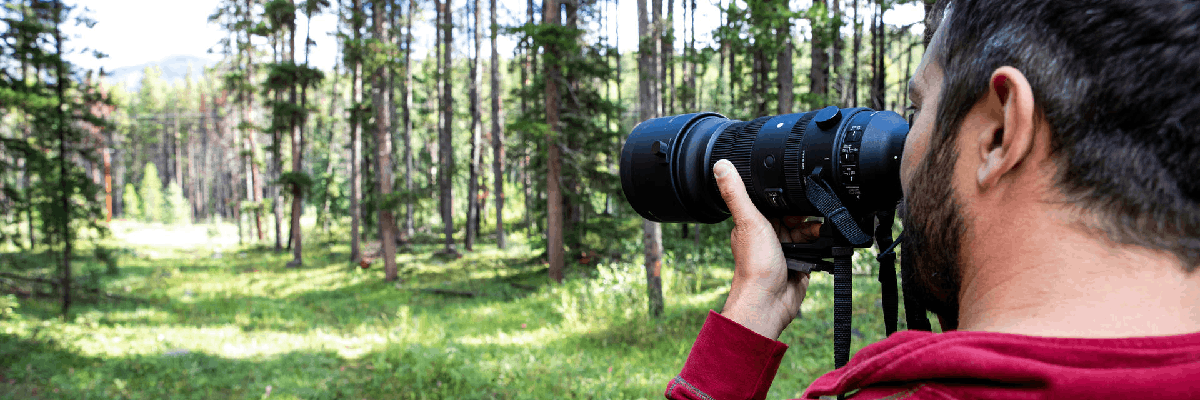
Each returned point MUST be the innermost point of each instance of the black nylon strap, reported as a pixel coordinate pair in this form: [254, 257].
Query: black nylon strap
[822, 197]
[887, 269]
[914, 312]
[843, 302]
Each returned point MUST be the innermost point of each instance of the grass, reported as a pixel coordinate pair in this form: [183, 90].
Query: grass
[216, 320]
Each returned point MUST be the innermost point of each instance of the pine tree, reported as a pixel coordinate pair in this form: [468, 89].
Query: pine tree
[60, 136]
[648, 97]
[133, 207]
[176, 209]
[151, 194]
[381, 103]
[445, 144]
[497, 134]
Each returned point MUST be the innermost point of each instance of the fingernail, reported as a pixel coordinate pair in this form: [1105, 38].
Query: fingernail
[722, 168]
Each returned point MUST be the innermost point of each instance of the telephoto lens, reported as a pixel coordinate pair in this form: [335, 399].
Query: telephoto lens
[667, 163]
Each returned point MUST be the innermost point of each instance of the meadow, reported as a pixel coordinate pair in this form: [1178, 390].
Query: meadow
[191, 314]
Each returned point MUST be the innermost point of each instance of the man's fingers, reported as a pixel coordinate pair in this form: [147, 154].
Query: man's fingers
[781, 232]
[734, 192]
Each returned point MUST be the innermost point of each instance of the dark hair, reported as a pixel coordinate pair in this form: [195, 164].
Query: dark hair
[1118, 81]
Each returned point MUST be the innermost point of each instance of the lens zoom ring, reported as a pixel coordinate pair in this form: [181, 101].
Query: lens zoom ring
[724, 147]
[725, 144]
[745, 144]
[792, 174]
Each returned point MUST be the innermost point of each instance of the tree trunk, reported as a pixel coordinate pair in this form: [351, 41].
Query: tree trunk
[497, 134]
[554, 202]
[838, 58]
[64, 186]
[254, 176]
[356, 141]
[277, 166]
[854, 58]
[784, 69]
[381, 100]
[526, 74]
[819, 75]
[879, 51]
[667, 33]
[476, 144]
[445, 143]
[297, 122]
[648, 99]
[409, 230]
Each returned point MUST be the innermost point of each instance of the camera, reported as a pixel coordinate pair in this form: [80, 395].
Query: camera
[842, 164]
[791, 164]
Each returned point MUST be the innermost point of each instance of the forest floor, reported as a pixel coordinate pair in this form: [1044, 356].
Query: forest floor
[200, 317]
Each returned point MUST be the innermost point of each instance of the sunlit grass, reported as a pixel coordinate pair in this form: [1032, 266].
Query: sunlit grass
[215, 320]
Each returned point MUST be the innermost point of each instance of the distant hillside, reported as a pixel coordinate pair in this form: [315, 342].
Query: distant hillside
[174, 69]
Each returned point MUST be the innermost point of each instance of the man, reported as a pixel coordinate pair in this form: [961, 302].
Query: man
[1052, 215]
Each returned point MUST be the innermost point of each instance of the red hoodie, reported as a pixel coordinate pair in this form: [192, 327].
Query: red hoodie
[729, 361]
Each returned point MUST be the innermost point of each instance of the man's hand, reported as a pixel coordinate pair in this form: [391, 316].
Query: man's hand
[762, 297]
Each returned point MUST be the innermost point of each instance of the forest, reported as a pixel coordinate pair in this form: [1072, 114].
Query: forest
[434, 217]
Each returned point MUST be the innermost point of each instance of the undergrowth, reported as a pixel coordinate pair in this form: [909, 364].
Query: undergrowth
[205, 322]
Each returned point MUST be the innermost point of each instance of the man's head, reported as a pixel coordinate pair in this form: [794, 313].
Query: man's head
[1092, 107]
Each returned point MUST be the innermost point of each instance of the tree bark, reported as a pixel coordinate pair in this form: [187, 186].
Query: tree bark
[64, 196]
[476, 143]
[444, 143]
[409, 230]
[297, 122]
[254, 185]
[554, 199]
[784, 69]
[355, 138]
[381, 101]
[667, 33]
[648, 99]
[839, 85]
[854, 58]
[497, 134]
[819, 75]
[879, 51]
[277, 163]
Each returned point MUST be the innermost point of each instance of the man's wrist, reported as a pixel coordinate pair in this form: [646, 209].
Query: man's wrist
[755, 320]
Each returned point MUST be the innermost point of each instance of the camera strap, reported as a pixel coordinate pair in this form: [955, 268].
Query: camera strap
[887, 268]
[822, 197]
[843, 303]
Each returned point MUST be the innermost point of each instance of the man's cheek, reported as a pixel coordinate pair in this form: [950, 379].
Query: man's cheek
[913, 154]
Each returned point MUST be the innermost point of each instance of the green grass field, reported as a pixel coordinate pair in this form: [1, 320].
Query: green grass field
[203, 318]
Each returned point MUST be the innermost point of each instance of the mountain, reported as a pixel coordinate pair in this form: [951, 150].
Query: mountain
[174, 69]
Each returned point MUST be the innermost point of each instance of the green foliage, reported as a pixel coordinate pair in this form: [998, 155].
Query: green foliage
[151, 195]
[133, 207]
[328, 331]
[53, 111]
[585, 132]
[176, 209]
[108, 257]
[8, 306]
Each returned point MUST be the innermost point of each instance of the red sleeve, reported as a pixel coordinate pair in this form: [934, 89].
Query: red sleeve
[728, 361]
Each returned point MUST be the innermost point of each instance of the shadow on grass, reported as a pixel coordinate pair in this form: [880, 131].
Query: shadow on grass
[49, 370]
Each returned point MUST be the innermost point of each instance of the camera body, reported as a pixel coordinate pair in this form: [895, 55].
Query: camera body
[666, 163]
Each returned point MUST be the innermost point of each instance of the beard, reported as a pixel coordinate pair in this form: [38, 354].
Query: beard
[933, 230]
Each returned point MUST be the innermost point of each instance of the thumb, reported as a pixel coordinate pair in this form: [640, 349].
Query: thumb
[733, 190]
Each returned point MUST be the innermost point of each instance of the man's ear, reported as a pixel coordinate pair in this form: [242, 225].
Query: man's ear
[1010, 104]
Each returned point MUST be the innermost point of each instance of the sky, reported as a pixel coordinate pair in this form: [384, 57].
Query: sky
[134, 32]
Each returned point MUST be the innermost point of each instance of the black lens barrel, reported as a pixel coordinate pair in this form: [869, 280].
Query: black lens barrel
[666, 163]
